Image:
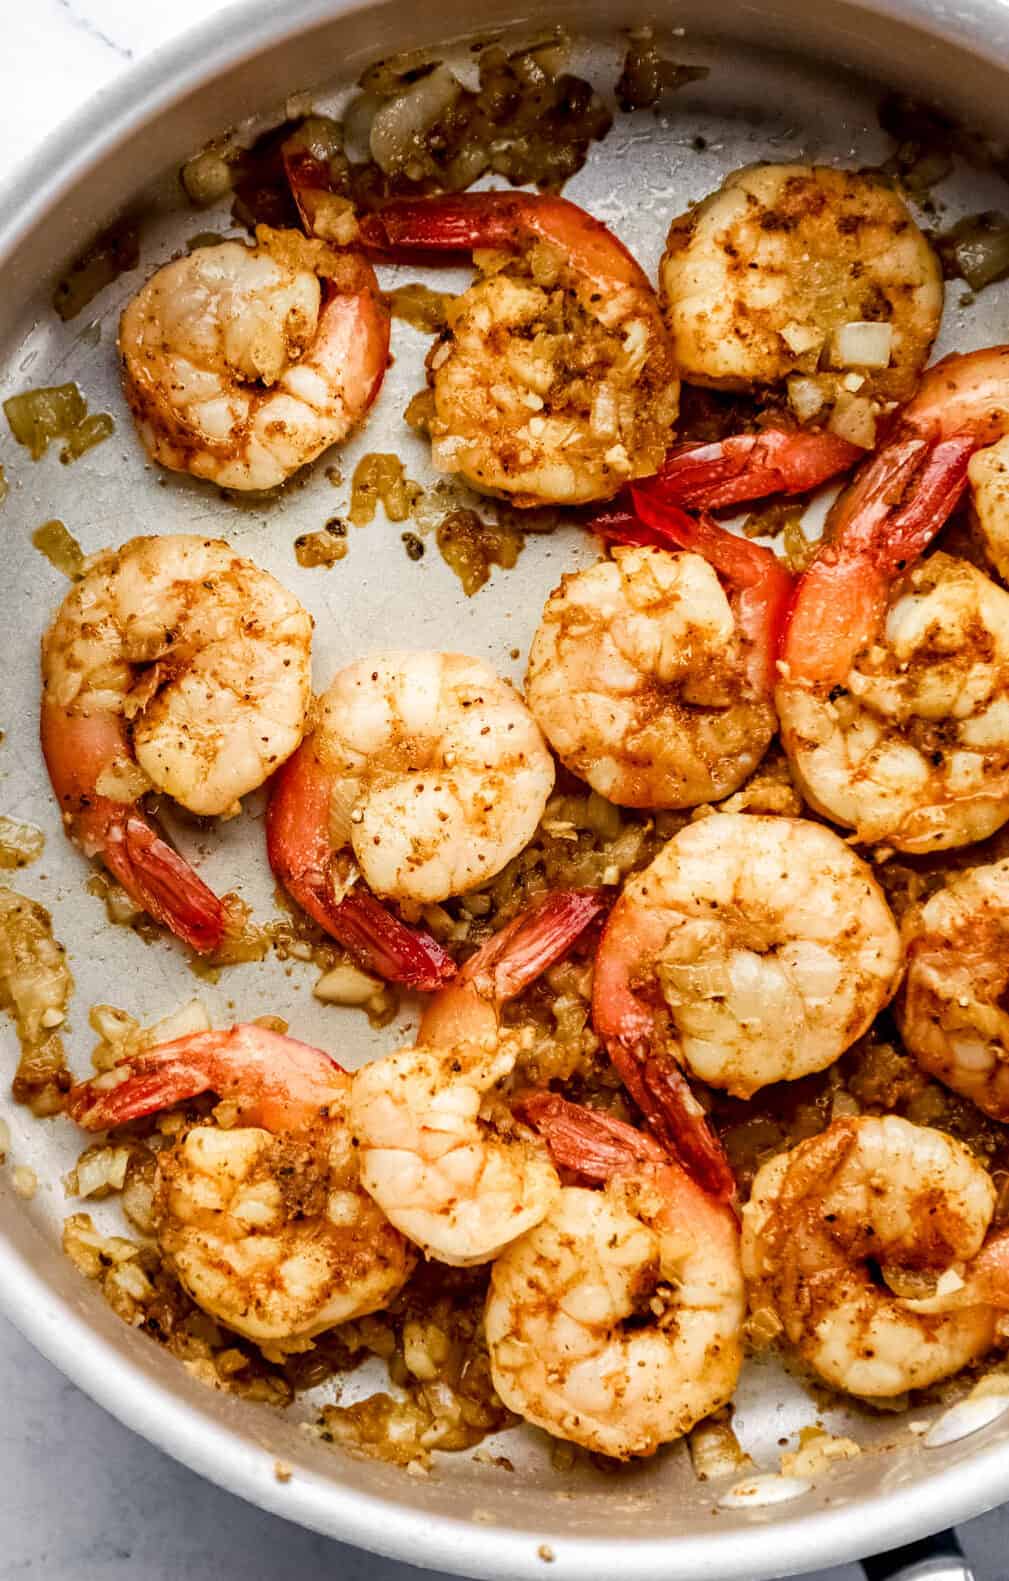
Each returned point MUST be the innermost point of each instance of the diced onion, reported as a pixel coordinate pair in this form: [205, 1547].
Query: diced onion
[862, 344]
[345, 984]
[806, 397]
[801, 338]
[399, 124]
[854, 419]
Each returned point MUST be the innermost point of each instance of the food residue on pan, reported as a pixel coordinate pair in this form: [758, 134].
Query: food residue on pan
[35, 989]
[39, 417]
[618, 988]
[60, 547]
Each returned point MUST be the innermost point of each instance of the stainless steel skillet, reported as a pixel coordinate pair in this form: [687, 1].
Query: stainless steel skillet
[784, 83]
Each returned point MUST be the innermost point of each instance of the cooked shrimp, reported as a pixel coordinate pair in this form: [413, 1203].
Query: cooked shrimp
[988, 477]
[752, 950]
[875, 1196]
[790, 268]
[264, 1222]
[649, 680]
[174, 665]
[439, 1148]
[616, 1323]
[242, 363]
[894, 700]
[425, 773]
[951, 1009]
[553, 381]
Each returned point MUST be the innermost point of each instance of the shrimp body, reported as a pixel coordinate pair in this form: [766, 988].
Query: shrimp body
[427, 768]
[439, 1148]
[637, 676]
[242, 363]
[761, 280]
[616, 1323]
[892, 700]
[265, 1222]
[951, 1008]
[871, 1194]
[553, 381]
[768, 942]
[173, 665]
[459, 1180]
[914, 748]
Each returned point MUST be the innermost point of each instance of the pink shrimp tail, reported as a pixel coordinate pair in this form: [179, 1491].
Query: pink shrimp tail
[655, 1082]
[456, 223]
[878, 527]
[763, 588]
[387, 946]
[159, 879]
[77, 750]
[280, 1081]
[592, 1144]
[662, 1093]
[468, 1009]
[300, 854]
[752, 466]
[309, 179]
[524, 949]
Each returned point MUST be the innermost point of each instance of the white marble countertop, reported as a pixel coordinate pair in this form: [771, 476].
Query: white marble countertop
[83, 1498]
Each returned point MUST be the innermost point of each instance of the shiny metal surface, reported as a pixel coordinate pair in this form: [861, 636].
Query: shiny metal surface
[655, 1520]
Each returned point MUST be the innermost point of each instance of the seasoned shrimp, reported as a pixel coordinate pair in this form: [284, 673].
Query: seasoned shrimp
[951, 1009]
[617, 1322]
[425, 772]
[650, 680]
[439, 1148]
[894, 698]
[752, 950]
[787, 269]
[174, 665]
[553, 381]
[873, 1197]
[242, 363]
[264, 1221]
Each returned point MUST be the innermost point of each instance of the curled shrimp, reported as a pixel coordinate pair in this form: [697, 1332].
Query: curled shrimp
[752, 950]
[552, 382]
[951, 1008]
[651, 673]
[242, 363]
[768, 277]
[174, 665]
[440, 1150]
[894, 694]
[617, 1322]
[873, 1197]
[426, 774]
[264, 1221]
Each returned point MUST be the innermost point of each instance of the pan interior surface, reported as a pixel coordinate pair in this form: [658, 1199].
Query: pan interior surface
[508, 1509]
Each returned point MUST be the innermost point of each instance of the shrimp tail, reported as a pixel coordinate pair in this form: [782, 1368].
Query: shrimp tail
[310, 180]
[382, 943]
[752, 466]
[511, 959]
[524, 949]
[592, 1144]
[453, 224]
[763, 588]
[301, 856]
[161, 881]
[663, 1094]
[877, 529]
[279, 1080]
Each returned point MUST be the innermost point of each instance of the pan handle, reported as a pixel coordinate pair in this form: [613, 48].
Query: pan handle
[938, 1558]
